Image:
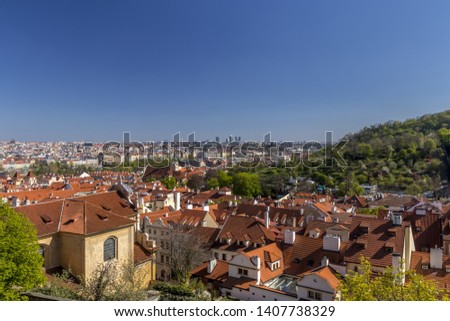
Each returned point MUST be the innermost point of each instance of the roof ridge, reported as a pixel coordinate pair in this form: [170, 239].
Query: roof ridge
[61, 215]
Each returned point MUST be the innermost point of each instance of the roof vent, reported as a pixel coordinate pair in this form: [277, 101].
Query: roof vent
[102, 217]
[46, 219]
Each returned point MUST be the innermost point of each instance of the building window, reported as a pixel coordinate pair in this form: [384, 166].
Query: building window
[224, 257]
[311, 294]
[318, 296]
[109, 249]
[243, 272]
[162, 259]
[216, 255]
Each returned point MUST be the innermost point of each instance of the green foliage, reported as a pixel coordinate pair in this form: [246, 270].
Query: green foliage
[187, 291]
[370, 211]
[212, 183]
[169, 182]
[62, 286]
[224, 179]
[113, 282]
[20, 261]
[108, 282]
[196, 182]
[366, 285]
[246, 184]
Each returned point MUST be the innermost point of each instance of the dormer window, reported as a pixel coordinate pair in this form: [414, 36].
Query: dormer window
[364, 227]
[275, 265]
[362, 243]
[392, 232]
[243, 272]
[389, 247]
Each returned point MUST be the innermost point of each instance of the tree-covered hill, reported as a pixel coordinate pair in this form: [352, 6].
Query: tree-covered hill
[409, 155]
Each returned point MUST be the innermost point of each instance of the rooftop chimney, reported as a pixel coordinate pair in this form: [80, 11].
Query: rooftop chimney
[325, 261]
[267, 217]
[397, 219]
[331, 243]
[436, 258]
[177, 201]
[289, 237]
[211, 265]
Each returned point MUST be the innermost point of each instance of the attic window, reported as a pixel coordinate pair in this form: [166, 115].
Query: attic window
[106, 208]
[71, 220]
[424, 266]
[361, 243]
[46, 219]
[102, 217]
[364, 229]
[447, 268]
[392, 232]
[389, 246]
[310, 263]
[124, 204]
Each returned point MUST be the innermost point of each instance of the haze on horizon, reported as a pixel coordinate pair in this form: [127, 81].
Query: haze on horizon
[90, 70]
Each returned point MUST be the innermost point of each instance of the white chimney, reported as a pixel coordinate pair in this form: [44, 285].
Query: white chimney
[289, 237]
[397, 219]
[138, 221]
[257, 262]
[331, 243]
[206, 208]
[302, 211]
[325, 261]
[267, 217]
[436, 258]
[177, 201]
[211, 265]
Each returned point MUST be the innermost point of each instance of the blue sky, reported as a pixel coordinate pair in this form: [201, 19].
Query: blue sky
[89, 70]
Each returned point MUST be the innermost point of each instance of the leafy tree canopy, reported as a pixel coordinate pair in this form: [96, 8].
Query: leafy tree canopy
[20, 261]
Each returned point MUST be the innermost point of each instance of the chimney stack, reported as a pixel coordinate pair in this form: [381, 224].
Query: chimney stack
[436, 258]
[267, 217]
[211, 265]
[325, 261]
[177, 201]
[289, 237]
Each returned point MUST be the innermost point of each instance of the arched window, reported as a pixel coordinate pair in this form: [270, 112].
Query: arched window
[109, 249]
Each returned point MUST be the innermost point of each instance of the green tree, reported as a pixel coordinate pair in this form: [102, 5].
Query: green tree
[224, 179]
[169, 182]
[196, 182]
[20, 261]
[212, 183]
[246, 184]
[366, 285]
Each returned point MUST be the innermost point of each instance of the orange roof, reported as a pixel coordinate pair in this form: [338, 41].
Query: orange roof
[328, 274]
[81, 215]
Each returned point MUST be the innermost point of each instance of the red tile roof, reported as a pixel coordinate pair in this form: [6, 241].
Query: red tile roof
[376, 238]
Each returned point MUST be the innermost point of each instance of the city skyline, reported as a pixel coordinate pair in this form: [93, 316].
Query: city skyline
[93, 70]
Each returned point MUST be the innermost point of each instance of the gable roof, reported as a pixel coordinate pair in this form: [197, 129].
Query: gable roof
[80, 215]
[379, 234]
[328, 274]
[241, 228]
[307, 253]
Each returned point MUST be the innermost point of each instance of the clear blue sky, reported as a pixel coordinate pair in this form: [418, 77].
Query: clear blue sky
[89, 70]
